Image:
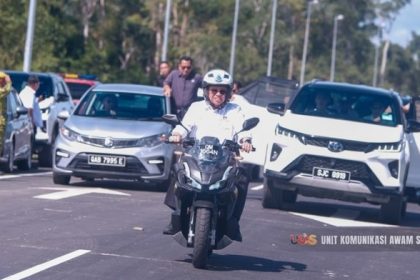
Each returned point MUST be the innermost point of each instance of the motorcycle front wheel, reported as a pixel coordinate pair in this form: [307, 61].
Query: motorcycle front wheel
[201, 237]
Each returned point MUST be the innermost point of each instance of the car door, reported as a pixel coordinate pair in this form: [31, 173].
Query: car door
[63, 102]
[14, 123]
[413, 179]
[21, 125]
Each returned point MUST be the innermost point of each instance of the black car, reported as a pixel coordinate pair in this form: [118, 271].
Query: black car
[18, 136]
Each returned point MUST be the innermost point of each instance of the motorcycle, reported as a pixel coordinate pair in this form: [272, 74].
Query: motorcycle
[206, 173]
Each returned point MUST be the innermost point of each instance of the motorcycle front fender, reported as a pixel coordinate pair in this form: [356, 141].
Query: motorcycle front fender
[203, 204]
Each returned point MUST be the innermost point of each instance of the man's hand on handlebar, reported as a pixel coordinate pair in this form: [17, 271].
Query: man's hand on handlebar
[175, 138]
[246, 147]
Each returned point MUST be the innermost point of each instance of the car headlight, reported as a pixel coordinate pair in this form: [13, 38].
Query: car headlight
[149, 141]
[290, 133]
[390, 147]
[70, 134]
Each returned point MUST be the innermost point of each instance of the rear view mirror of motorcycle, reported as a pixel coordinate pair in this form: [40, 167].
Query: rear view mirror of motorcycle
[171, 119]
[250, 123]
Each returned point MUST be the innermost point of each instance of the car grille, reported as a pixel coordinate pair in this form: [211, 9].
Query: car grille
[347, 145]
[116, 143]
[133, 166]
[359, 170]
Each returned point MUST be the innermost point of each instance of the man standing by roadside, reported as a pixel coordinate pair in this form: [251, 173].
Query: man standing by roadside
[30, 101]
[182, 85]
[164, 70]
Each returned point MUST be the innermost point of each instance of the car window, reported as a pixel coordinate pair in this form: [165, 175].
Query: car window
[267, 91]
[77, 90]
[19, 81]
[121, 105]
[11, 104]
[60, 88]
[358, 106]
[17, 98]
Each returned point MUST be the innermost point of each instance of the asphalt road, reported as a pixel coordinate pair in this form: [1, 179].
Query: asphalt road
[112, 230]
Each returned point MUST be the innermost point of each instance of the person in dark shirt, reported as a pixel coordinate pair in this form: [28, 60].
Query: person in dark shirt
[164, 70]
[182, 85]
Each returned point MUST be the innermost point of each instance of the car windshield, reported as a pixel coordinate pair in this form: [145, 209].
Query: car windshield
[121, 105]
[360, 106]
[19, 81]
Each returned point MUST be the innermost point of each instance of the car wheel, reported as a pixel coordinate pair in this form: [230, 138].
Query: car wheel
[45, 156]
[88, 179]
[274, 198]
[26, 164]
[393, 211]
[61, 179]
[288, 196]
[270, 198]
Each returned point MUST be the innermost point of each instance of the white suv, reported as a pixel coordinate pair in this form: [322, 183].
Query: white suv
[56, 98]
[339, 141]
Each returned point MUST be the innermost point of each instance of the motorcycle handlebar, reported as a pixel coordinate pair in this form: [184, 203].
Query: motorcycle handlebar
[190, 141]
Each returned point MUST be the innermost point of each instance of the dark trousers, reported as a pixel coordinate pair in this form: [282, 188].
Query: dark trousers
[242, 185]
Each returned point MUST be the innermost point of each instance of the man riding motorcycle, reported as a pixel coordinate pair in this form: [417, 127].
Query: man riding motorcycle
[215, 116]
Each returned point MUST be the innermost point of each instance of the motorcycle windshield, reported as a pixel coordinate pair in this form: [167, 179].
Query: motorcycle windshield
[209, 154]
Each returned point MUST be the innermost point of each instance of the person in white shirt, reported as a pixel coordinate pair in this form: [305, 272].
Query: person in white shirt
[214, 116]
[30, 101]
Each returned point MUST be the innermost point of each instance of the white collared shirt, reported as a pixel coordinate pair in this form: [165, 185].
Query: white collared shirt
[202, 120]
[30, 101]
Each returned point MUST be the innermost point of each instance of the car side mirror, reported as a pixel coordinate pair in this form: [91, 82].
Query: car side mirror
[20, 110]
[276, 108]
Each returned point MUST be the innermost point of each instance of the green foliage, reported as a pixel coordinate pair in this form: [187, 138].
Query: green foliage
[122, 40]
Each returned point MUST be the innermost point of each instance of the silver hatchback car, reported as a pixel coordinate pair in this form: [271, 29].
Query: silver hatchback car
[114, 132]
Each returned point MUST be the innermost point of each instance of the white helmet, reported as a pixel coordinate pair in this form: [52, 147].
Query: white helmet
[218, 77]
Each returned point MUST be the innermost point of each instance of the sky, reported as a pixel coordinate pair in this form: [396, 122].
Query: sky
[407, 21]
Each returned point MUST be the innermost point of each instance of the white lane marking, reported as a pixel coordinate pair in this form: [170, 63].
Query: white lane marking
[74, 191]
[256, 188]
[24, 175]
[340, 222]
[38, 268]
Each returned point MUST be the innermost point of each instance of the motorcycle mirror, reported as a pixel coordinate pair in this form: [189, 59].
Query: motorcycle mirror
[250, 123]
[171, 119]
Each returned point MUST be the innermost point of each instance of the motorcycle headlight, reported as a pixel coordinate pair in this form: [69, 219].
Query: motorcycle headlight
[390, 147]
[149, 141]
[218, 185]
[70, 134]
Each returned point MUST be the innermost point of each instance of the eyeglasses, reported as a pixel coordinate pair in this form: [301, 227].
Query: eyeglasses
[185, 67]
[217, 90]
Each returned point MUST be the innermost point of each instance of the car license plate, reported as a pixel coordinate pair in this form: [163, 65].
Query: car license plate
[106, 160]
[331, 174]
